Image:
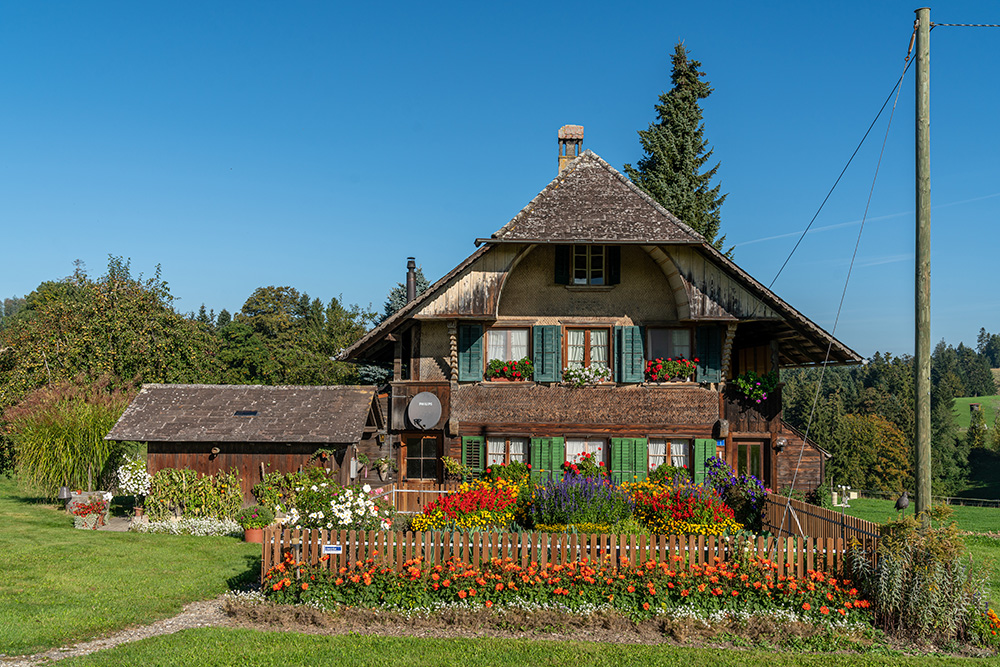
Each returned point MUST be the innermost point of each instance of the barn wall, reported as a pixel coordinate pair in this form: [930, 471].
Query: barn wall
[810, 468]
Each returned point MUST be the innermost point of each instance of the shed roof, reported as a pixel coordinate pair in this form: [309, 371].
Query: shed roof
[211, 413]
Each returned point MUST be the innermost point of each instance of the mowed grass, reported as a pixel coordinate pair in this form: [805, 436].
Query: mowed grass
[60, 585]
[991, 405]
[218, 647]
[970, 519]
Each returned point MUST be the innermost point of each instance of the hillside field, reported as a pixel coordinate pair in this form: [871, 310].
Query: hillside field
[991, 404]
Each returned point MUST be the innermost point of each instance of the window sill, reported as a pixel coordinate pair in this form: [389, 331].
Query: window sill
[506, 383]
[590, 288]
[672, 383]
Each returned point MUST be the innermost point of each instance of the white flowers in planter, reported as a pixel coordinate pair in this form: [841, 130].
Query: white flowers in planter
[594, 374]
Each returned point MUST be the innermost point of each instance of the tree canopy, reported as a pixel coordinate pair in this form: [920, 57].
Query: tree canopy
[676, 152]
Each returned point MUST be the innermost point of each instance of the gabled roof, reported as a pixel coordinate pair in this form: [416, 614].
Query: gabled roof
[592, 202]
[208, 413]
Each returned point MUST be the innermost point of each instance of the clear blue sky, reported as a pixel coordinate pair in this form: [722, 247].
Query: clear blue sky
[318, 144]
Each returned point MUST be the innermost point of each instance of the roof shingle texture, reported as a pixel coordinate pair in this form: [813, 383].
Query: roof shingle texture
[591, 201]
[540, 404]
[206, 413]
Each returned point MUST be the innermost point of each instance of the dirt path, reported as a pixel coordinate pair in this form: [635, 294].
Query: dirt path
[206, 613]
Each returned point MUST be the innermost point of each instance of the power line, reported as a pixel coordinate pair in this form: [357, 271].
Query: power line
[966, 25]
[842, 172]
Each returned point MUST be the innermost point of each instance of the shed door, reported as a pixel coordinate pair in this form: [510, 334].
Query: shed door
[423, 454]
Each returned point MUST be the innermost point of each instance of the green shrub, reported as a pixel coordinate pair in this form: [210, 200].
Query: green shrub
[924, 583]
[255, 516]
[665, 474]
[182, 492]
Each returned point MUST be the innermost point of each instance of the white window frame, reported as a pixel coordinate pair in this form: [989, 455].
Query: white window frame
[676, 452]
[501, 449]
[506, 353]
[577, 445]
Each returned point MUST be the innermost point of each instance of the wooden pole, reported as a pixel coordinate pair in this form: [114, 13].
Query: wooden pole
[922, 360]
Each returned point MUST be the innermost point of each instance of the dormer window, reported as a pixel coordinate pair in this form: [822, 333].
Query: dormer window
[588, 265]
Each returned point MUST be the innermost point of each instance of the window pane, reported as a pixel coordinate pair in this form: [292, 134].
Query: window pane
[495, 450]
[681, 343]
[430, 447]
[575, 447]
[518, 449]
[429, 468]
[413, 468]
[518, 344]
[575, 347]
[599, 347]
[679, 453]
[497, 344]
[741, 459]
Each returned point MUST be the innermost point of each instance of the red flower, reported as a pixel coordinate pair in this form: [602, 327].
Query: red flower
[529, 466]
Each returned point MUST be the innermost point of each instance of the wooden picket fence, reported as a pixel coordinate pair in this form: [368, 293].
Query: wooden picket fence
[785, 517]
[795, 555]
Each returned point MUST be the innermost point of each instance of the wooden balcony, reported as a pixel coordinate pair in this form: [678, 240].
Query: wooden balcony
[747, 417]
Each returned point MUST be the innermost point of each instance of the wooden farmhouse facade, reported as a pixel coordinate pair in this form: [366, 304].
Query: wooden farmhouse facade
[594, 273]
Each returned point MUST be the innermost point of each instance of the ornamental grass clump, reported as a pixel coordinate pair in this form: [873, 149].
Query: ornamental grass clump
[579, 499]
[924, 583]
[476, 505]
[682, 509]
[638, 592]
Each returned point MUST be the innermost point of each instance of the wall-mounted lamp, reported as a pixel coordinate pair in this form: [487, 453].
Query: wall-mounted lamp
[215, 452]
[780, 444]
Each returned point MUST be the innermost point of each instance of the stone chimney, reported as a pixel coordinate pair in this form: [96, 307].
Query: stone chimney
[570, 144]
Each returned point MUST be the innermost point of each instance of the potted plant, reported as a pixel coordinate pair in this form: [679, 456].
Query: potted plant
[454, 470]
[134, 480]
[510, 371]
[671, 369]
[363, 463]
[755, 388]
[254, 520]
[383, 466]
[594, 374]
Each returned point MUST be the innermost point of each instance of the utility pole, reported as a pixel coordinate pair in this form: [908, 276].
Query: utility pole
[922, 361]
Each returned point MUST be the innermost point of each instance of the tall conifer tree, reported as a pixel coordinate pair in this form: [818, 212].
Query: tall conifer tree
[676, 151]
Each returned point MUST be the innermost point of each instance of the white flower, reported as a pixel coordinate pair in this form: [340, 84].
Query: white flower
[366, 488]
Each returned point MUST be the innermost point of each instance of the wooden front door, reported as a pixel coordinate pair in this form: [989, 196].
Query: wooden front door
[422, 458]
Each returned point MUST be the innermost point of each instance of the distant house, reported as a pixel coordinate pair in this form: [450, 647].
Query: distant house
[594, 273]
[209, 428]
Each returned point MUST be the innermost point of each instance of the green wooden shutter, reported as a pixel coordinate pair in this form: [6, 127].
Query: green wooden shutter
[474, 453]
[470, 352]
[547, 456]
[709, 346]
[563, 255]
[704, 449]
[547, 354]
[629, 459]
[614, 260]
[630, 356]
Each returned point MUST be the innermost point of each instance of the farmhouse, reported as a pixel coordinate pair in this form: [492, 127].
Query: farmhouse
[594, 274]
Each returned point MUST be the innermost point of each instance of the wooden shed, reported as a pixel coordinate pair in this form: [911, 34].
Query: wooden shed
[211, 428]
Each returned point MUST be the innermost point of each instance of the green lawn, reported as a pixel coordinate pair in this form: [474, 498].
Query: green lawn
[60, 585]
[991, 405]
[217, 647]
[971, 519]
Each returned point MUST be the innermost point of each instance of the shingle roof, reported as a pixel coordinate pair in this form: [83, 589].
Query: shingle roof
[540, 404]
[591, 201]
[207, 413]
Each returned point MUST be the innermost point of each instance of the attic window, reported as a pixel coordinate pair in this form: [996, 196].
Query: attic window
[587, 265]
[245, 413]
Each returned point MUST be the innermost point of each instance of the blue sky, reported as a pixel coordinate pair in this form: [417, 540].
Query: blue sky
[318, 144]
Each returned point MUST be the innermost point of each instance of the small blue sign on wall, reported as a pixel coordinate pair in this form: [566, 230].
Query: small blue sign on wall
[332, 549]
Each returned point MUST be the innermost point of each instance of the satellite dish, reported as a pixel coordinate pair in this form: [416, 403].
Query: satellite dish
[424, 411]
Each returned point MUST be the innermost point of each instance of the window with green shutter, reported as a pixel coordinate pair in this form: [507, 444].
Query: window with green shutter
[629, 460]
[547, 353]
[547, 457]
[704, 449]
[709, 347]
[629, 354]
[470, 352]
[474, 453]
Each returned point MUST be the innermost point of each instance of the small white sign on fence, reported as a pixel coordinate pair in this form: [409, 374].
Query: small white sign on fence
[332, 549]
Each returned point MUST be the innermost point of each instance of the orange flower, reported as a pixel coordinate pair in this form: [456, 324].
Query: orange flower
[645, 605]
[305, 587]
[824, 610]
[806, 606]
[489, 603]
[462, 594]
